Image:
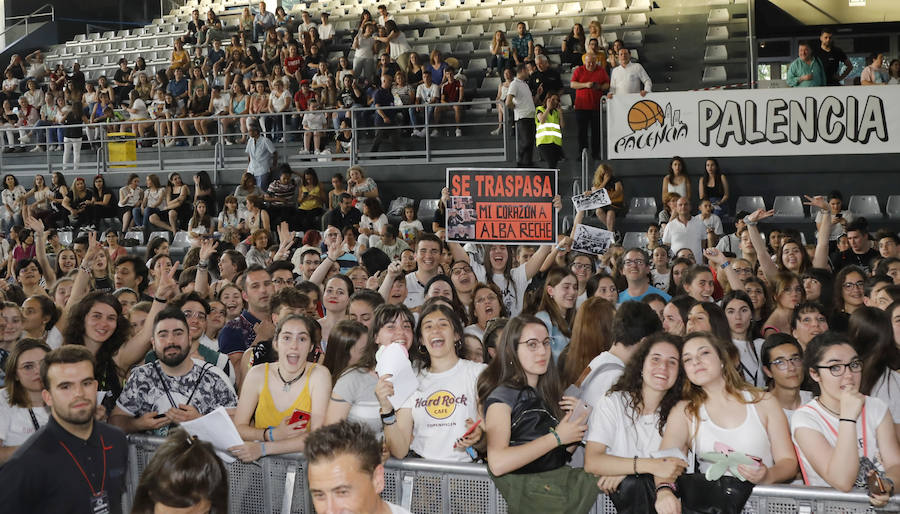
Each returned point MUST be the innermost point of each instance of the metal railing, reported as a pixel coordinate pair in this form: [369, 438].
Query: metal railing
[25, 19]
[278, 485]
[225, 130]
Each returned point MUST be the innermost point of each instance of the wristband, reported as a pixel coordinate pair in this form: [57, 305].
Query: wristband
[667, 485]
[847, 419]
[558, 440]
[203, 264]
[389, 414]
[725, 264]
[271, 431]
[389, 420]
[262, 446]
[748, 222]
[84, 268]
[560, 249]
[158, 299]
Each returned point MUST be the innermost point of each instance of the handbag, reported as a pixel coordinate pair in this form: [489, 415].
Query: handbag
[726, 495]
[531, 420]
[636, 494]
[562, 490]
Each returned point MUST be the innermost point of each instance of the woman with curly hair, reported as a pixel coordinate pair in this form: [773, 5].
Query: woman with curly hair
[628, 422]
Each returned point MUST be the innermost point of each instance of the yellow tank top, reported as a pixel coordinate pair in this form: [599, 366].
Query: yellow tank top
[266, 412]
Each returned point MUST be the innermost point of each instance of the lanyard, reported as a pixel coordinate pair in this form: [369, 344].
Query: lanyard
[86, 479]
[835, 432]
[34, 420]
[165, 386]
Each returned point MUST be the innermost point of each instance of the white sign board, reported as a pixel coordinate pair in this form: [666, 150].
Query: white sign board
[753, 122]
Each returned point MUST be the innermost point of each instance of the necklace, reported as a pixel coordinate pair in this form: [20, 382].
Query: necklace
[289, 383]
[836, 414]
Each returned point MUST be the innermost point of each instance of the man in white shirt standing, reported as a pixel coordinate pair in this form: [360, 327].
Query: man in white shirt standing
[685, 231]
[629, 77]
[345, 470]
[326, 30]
[427, 93]
[520, 99]
[261, 155]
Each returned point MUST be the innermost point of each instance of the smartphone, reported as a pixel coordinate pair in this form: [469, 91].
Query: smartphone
[876, 484]
[581, 410]
[158, 416]
[839, 215]
[301, 418]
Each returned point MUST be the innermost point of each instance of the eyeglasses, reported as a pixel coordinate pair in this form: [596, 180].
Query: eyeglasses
[534, 344]
[782, 363]
[459, 270]
[192, 314]
[486, 298]
[853, 285]
[809, 320]
[743, 271]
[837, 370]
[577, 266]
[282, 281]
[220, 312]
[633, 262]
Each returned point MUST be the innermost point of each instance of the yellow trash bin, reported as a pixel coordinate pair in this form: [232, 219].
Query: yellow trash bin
[122, 148]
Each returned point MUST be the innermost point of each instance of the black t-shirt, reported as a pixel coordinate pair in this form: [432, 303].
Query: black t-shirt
[194, 27]
[550, 79]
[349, 97]
[216, 55]
[831, 63]
[122, 75]
[848, 258]
[383, 98]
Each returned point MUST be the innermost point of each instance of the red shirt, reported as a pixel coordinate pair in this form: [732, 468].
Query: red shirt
[302, 99]
[450, 91]
[587, 98]
[292, 64]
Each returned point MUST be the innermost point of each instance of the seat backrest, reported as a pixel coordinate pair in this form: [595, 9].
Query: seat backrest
[892, 208]
[181, 239]
[788, 206]
[749, 203]
[634, 240]
[162, 234]
[426, 210]
[642, 205]
[864, 205]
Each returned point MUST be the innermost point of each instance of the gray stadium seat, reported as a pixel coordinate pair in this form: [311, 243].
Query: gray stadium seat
[749, 203]
[634, 240]
[892, 209]
[162, 234]
[787, 208]
[181, 240]
[642, 208]
[426, 210]
[716, 53]
[865, 205]
[714, 74]
[718, 33]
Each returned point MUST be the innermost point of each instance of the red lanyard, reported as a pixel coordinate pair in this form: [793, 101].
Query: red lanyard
[835, 432]
[86, 479]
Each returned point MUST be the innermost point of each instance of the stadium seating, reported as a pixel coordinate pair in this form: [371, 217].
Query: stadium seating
[749, 203]
[865, 205]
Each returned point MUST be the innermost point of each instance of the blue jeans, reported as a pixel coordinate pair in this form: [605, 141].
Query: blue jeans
[498, 62]
[48, 135]
[261, 181]
[137, 216]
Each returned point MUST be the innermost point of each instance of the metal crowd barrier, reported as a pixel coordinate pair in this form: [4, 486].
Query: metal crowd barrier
[278, 485]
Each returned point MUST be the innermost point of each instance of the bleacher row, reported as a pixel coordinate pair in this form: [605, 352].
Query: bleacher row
[460, 29]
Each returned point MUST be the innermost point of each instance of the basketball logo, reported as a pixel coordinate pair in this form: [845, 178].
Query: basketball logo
[644, 114]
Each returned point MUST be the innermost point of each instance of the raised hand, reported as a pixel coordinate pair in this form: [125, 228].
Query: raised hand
[760, 214]
[714, 256]
[167, 287]
[207, 248]
[816, 201]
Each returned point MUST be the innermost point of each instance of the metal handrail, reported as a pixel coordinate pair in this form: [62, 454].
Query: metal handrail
[219, 162]
[24, 18]
[409, 469]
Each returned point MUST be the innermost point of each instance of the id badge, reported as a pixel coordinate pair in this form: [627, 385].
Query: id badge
[100, 503]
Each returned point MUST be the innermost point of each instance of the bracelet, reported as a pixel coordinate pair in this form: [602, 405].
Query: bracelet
[271, 431]
[748, 222]
[265, 435]
[389, 420]
[558, 440]
[84, 268]
[158, 299]
[560, 249]
[667, 485]
[635, 464]
[725, 264]
[203, 264]
[263, 448]
[389, 414]
[847, 419]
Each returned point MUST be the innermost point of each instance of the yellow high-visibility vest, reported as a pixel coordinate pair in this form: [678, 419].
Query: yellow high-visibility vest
[548, 132]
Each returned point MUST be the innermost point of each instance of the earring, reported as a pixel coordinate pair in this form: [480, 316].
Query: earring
[422, 349]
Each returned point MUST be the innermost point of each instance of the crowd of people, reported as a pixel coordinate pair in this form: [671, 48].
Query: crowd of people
[693, 349]
[825, 64]
[279, 75]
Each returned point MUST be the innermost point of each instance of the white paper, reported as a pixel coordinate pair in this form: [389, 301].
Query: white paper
[393, 359]
[589, 201]
[217, 429]
[588, 239]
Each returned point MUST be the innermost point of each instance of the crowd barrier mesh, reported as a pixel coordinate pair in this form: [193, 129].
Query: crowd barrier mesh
[277, 485]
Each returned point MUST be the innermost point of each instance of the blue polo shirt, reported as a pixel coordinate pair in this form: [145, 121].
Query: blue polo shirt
[624, 296]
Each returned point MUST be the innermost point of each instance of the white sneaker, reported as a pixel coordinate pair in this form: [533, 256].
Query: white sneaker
[317, 152]
[434, 133]
[416, 133]
[24, 140]
[325, 152]
[228, 142]
[303, 151]
[458, 132]
[497, 131]
[36, 148]
[204, 142]
[170, 142]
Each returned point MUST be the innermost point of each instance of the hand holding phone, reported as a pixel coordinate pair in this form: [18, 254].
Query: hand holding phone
[299, 420]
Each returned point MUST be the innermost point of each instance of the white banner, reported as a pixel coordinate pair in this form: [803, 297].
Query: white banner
[751, 122]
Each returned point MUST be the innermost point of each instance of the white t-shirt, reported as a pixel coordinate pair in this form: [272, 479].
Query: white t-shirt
[375, 225]
[815, 417]
[678, 235]
[837, 230]
[428, 94]
[280, 103]
[523, 101]
[415, 291]
[356, 387]
[611, 424]
[887, 389]
[440, 407]
[751, 362]
[410, 229]
[599, 384]
[513, 294]
[396, 509]
[659, 280]
[54, 338]
[15, 422]
[314, 120]
[805, 397]
[713, 222]
[326, 31]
